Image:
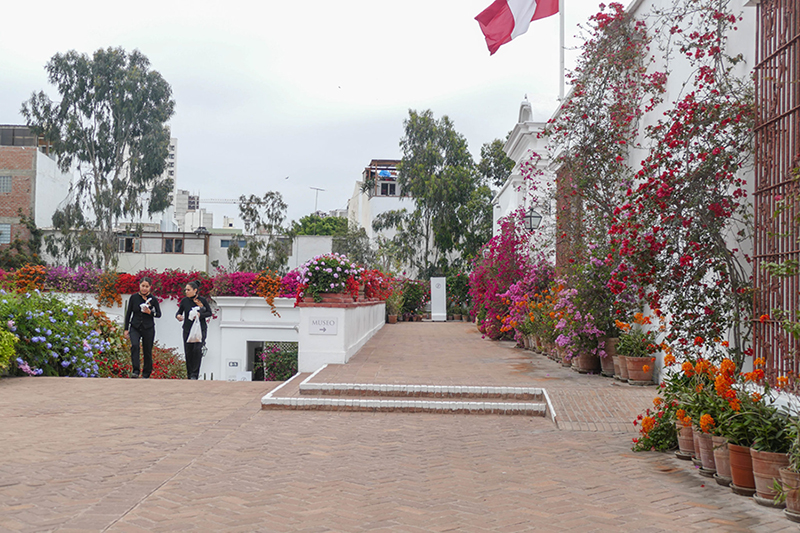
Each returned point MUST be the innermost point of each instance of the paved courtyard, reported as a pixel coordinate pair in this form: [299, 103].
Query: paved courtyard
[138, 455]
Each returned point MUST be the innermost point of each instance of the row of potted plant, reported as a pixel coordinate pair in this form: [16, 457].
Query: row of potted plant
[732, 424]
[329, 273]
[407, 300]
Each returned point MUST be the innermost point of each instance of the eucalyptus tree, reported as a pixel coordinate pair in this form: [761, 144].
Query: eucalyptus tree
[110, 124]
[495, 166]
[438, 173]
[266, 246]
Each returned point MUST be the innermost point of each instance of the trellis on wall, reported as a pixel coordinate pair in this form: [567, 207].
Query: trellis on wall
[777, 195]
[569, 208]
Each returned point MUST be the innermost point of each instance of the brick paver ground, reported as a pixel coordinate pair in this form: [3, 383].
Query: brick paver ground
[124, 455]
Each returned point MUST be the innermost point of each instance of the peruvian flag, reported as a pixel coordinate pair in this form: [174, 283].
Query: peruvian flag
[506, 19]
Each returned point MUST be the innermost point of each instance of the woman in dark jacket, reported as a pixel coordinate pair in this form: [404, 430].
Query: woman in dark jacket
[193, 350]
[139, 326]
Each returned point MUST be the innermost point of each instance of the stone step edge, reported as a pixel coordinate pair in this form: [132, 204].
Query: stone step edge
[428, 391]
[416, 406]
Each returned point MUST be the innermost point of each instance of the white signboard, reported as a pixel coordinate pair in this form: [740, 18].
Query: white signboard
[438, 299]
[323, 326]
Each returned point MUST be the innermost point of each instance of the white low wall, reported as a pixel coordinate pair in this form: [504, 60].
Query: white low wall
[237, 322]
[332, 334]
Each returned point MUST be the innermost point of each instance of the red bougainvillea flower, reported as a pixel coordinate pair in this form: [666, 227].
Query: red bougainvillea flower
[698, 341]
[763, 318]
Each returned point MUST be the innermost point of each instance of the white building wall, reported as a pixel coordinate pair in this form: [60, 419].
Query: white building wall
[132, 263]
[238, 321]
[305, 247]
[363, 209]
[51, 189]
[523, 138]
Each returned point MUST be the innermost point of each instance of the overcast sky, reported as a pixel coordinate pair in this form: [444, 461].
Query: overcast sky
[312, 90]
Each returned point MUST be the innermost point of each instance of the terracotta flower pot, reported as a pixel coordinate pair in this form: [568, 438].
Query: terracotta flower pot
[457, 317]
[586, 363]
[741, 467]
[685, 439]
[330, 297]
[696, 441]
[722, 460]
[636, 370]
[766, 469]
[791, 484]
[392, 319]
[526, 343]
[707, 453]
[608, 364]
[623, 368]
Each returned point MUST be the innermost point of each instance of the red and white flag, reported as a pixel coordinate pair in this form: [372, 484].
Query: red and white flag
[506, 19]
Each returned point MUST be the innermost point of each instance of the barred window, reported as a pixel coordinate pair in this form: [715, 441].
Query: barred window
[5, 233]
[5, 184]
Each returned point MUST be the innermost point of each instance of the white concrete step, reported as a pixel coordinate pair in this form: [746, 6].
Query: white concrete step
[408, 406]
[421, 391]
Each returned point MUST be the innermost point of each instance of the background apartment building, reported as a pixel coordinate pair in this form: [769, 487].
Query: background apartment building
[30, 182]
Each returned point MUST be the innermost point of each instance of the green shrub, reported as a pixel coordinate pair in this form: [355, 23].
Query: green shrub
[53, 337]
[276, 362]
[7, 351]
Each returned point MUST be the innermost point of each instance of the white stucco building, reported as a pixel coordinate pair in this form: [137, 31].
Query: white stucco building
[385, 195]
[531, 189]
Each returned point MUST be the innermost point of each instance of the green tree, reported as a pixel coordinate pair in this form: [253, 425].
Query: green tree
[314, 224]
[110, 124]
[356, 246]
[438, 172]
[495, 166]
[266, 247]
[21, 252]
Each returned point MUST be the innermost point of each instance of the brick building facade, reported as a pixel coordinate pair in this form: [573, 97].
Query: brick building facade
[17, 190]
[30, 183]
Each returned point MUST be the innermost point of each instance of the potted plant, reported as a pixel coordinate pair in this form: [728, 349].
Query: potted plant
[788, 489]
[737, 428]
[394, 304]
[329, 274]
[414, 298]
[637, 348]
[771, 444]
[607, 358]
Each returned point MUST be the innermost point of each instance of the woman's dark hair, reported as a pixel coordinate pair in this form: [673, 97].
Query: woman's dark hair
[148, 279]
[194, 284]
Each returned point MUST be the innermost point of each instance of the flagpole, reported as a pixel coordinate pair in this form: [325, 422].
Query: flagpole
[562, 72]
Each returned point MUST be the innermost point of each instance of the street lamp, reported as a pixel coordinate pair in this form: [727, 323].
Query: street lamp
[532, 220]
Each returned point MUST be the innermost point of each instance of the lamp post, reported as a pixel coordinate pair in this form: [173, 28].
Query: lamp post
[532, 220]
